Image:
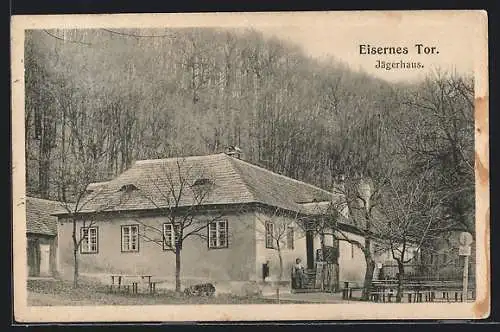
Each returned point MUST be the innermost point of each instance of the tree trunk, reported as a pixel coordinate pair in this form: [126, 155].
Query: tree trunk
[324, 268]
[280, 275]
[75, 268]
[401, 273]
[177, 269]
[43, 172]
[75, 256]
[370, 267]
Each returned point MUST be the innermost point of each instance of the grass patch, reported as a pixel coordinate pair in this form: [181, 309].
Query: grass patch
[62, 293]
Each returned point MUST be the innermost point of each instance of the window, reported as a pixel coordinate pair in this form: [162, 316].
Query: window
[202, 188]
[352, 250]
[269, 235]
[168, 236]
[130, 238]
[217, 234]
[202, 182]
[128, 188]
[89, 240]
[289, 238]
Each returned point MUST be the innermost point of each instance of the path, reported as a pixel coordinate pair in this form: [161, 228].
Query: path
[311, 297]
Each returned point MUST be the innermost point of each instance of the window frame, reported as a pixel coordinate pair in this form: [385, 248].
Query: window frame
[130, 239]
[217, 232]
[172, 246]
[269, 246]
[88, 251]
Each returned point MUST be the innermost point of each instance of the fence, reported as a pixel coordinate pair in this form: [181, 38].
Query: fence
[450, 271]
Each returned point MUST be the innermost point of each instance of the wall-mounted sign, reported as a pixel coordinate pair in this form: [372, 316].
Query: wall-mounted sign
[464, 250]
[465, 239]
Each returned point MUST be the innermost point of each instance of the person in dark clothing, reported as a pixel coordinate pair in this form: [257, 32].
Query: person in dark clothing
[265, 270]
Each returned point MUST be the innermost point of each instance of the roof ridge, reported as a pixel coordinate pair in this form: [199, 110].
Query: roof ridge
[152, 161]
[280, 175]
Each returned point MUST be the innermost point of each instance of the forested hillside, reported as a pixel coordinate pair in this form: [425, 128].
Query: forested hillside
[96, 100]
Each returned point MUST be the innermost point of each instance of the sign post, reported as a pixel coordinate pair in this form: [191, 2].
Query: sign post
[465, 280]
[465, 241]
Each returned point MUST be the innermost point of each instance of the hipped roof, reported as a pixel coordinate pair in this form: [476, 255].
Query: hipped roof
[147, 185]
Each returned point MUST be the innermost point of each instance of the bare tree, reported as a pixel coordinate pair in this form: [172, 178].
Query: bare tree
[83, 206]
[277, 229]
[359, 196]
[409, 208]
[180, 191]
[437, 133]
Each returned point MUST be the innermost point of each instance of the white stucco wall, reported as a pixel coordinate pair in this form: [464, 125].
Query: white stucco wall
[235, 263]
[352, 264]
[264, 254]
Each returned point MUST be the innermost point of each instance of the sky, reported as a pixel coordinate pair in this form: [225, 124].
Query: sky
[459, 36]
[454, 39]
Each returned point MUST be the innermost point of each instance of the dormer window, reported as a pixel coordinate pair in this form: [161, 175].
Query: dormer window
[202, 182]
[202, 188]
[128, 188]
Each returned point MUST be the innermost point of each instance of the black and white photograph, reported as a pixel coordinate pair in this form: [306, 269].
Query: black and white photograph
[250, 166]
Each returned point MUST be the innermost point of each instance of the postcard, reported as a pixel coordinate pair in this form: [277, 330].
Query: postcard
[250, 166]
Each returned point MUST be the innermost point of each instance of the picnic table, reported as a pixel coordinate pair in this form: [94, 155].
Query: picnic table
[118, 281]
[417, 290]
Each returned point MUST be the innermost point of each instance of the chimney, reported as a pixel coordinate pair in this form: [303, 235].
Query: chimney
[233, 151]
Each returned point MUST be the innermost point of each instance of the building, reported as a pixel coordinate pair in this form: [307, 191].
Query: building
[41, 233]
[236, 207]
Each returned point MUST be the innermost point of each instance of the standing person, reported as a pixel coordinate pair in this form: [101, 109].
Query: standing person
[265, 271]
[299, 273]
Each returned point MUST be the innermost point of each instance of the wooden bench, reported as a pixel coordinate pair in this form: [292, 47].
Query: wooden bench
[347, 290]
[134, 280]
[417, 290]
[382, 290]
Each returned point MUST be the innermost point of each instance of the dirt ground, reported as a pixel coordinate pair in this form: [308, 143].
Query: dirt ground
[62, 293]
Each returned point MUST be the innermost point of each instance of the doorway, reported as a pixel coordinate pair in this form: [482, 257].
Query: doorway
[33, 251]
[310, 249]
[44, 260]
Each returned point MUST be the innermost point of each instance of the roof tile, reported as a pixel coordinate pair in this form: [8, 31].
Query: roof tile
[234, 182]
[38, 216]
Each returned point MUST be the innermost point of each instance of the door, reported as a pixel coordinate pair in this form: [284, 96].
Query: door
[33, 258]
[44, 259]
[310, 249]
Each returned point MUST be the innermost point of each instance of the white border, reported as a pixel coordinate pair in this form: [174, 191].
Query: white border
[480, 309]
